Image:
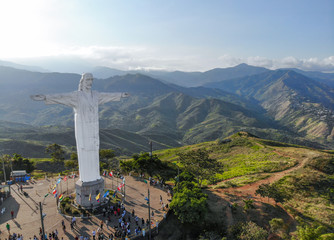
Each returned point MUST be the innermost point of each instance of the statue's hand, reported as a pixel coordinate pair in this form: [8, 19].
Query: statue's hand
[38, 97]
[125, 95]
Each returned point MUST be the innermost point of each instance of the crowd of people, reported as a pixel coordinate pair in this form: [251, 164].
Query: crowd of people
[120, 223]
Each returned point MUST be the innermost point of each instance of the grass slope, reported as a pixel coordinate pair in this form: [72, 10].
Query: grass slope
[308, 187]
[241, 155]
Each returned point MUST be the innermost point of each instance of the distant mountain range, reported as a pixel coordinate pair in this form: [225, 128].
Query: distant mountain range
[171, 109]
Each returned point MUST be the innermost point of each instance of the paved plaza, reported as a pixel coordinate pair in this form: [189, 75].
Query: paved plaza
[26, 219]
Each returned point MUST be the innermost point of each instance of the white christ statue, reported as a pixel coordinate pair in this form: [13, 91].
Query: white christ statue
[85, 104]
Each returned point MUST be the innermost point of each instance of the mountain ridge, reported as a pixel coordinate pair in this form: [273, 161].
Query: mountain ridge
[272, 104]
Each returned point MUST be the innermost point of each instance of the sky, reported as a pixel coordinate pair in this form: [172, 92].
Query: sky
[186, 35]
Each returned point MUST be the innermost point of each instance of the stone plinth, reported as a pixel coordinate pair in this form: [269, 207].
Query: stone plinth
[84, 189]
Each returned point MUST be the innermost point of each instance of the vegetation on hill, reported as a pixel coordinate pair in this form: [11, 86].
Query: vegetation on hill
[241, 155]
[297, 102]
[280, 105]
[303, 199]
[306, 194]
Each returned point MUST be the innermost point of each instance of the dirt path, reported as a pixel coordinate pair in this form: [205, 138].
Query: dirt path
[248, 191]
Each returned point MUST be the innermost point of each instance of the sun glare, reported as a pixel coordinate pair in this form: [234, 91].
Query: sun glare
[25, 27]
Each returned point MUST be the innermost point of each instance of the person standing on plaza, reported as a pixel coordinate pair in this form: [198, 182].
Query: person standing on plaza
[93, 234]
[74, 221]
[107, 221]
[12, 213]
[8, 227]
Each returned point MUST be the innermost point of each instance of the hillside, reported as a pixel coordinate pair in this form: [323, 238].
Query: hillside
[31, 141]
[302, 176]
[280, 105]
[303, 105]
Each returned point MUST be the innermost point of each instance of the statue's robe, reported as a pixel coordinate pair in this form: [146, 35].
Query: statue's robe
[86, 119]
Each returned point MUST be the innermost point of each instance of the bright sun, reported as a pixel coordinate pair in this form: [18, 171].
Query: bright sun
[24, 27]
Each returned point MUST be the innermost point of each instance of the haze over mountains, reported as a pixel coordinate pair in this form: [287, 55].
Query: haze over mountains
[171, 108]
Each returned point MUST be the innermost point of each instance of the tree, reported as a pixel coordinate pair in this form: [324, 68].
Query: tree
[126, 166]
[189, 205]
[145, 163]
[278, 226]
[22, 163]
[251, 231]
[6, 158]
[263, 190]
[74, 156]
[106, 154]
[56, 151]
[71, 164]
[310, 233]
[200, 164]
[248, 204]
[271, 191]
[107, 160]
[186, 176]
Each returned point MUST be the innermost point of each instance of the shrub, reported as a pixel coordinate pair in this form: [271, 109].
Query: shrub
[75, 212]
[67, 209]
[251, 231]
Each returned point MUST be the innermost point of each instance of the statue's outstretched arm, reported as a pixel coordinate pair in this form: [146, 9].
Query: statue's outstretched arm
[111, 97]
[67, 99]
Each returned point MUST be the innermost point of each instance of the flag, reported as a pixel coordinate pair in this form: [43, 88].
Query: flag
[98, 196]
[90, 197]
[110, 174]
[106, 194]
[54, 191]
[65, 178]
[120, 187]
[104, 173]
[54, 186]
[145, 181]
[46, 195]
[114, 195]
[123, 180]
[61, 197]
[56, 195]
[59, 180]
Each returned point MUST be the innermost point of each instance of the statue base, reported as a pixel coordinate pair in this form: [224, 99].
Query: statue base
[84, 189]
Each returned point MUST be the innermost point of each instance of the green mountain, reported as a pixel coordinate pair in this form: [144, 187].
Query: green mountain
[280, 105]
[303, 105]
[326, 78]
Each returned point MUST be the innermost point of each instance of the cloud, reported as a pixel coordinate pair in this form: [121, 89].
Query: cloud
[149, 58]
[310, 64]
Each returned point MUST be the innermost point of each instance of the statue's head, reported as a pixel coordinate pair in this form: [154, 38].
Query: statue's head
[86, 82]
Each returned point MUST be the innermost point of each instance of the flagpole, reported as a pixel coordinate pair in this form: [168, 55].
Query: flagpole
[117, 180]
[124, 187]
[112, 181]
[73, 180]
[57, 195]
[149, 212]
[61, 187]
[42, 218]
[67, 186]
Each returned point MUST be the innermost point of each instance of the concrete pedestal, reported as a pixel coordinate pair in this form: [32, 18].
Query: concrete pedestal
[84, 189]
